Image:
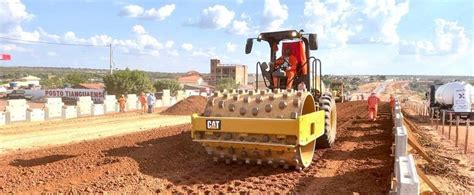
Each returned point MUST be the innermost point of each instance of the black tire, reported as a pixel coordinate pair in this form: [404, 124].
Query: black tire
[327, 139]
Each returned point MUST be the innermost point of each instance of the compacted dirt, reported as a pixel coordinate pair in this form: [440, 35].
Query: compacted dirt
[166, 160]
[188, 106]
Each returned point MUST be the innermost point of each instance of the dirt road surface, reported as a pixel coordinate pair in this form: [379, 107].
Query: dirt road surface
[30, 135]
[166, 160]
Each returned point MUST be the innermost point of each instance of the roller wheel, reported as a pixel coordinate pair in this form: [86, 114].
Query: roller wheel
[329, 106]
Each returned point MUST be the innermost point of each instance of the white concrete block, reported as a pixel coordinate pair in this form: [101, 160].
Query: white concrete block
[84, 106]
[406, 175]
[35, 115]
[398, 120]
[69, 112]
[2, 119]
[16, 110]
[401, 141]
[132, 100]
[173, 101]
[97, 109]
[166, 98]
[53, 107]
[159, 103]
[180, 95]
[110, 104]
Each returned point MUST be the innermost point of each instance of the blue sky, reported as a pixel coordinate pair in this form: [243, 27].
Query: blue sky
[356, 37]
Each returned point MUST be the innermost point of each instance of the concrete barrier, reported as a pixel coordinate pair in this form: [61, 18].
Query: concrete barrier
[84, 106]
[110, 104]
[401, 141]
[166, 98]
[69, 112]
[180, 95]
[406, 175]
[97, 109]
[2, 118]
[159, 103]
[173, 101]
[16, 110]
[35, 115]
[53, 107]
[132, 102]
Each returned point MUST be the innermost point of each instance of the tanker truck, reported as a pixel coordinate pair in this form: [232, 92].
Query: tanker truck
[456, 96]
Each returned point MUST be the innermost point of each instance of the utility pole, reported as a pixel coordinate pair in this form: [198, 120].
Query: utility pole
[110, 59]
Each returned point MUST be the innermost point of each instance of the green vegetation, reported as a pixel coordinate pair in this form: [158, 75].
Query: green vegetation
[77, 78]
[51, 83]
[226, 83]
[127, 81]
[172, 85]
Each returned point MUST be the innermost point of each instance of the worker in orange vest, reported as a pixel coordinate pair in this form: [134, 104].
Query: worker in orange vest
[287, 62]
[142, 100]
[372, 106]
[122, 101]
[392, 102]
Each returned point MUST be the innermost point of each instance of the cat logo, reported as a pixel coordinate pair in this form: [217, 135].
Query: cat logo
[213, 124]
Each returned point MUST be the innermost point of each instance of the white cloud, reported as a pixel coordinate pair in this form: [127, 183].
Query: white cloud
[139, 29]
[161, 13]
[239, 27]
[169, 44]
[12, 13]
[274, 14]
[187, 46]
[215, 17]
[173, 52]
[239, 1]
[450, 38]
[339, 22]
[208, 53]
[230, 47]
[132, 11]
[136, 11]
[51, 53]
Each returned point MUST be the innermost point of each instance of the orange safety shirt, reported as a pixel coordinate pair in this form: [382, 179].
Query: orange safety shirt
[121, 101]
[292, 63]
[392, 102]
[142, 100]
[372, 101]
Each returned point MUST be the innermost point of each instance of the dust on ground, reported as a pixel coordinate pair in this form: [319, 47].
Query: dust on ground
[166, 160]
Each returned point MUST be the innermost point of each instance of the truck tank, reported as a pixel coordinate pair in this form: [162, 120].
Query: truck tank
[445, 93]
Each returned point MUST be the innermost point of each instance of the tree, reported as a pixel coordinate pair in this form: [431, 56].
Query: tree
[172, 85]
[226, 83]
[127, 81]
[77, 78]
[53, 82]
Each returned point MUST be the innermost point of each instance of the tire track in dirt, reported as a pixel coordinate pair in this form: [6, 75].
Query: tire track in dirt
[166, 160]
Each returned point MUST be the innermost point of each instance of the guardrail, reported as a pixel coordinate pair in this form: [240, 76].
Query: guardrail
[406, 178]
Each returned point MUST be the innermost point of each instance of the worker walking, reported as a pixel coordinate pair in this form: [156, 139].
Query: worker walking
[372, 106]
[142, 100]
[151, 103]
[122, 102]
[392, 102]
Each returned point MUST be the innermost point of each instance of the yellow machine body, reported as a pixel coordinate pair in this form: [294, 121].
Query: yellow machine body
[284, 135]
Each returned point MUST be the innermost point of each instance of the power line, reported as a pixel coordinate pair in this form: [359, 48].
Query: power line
[50, 43]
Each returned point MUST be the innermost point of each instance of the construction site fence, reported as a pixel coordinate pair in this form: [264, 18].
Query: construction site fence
[447, 122]
[406, 180]
[17, 110]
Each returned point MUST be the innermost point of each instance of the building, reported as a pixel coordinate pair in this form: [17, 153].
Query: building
[26, 82]
[235, 71]
[191, 78]
[90, 86]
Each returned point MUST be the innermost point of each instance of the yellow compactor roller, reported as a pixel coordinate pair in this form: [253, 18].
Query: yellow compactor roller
[279, 125]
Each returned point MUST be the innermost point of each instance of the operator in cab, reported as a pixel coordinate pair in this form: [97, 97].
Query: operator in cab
[287, 62]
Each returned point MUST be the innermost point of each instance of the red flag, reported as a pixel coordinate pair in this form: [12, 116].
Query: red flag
[5, 57]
